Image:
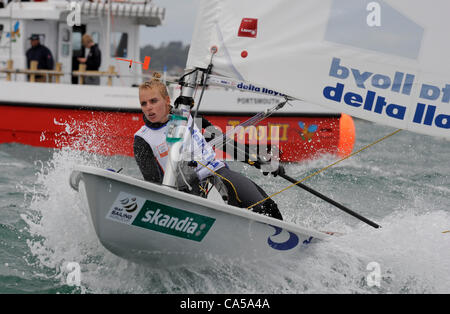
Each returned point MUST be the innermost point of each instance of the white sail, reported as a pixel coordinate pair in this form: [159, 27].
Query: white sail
[385, 61]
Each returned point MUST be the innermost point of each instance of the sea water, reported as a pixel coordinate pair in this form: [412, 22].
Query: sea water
[402, 183]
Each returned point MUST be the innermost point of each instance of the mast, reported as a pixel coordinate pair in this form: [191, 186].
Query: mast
[178, 126]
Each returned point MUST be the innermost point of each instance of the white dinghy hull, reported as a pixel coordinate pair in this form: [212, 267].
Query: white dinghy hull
[154, 224]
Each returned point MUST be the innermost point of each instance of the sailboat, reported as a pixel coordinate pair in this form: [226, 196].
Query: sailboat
[382, 61]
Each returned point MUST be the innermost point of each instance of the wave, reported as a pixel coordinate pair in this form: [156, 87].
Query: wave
[410, 250]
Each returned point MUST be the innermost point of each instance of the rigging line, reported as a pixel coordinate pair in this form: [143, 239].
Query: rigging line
[182, 77]
[225, 138]
[191, 126]
[323, 169]
[204, 80]
[255, 119]
[205, 187]
[183, 177]
[258, 117]
[203, 190]
[222, 177]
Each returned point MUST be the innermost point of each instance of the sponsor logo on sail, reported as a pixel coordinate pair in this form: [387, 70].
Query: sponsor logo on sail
[373, 84]
[248, 28]
[257, 89]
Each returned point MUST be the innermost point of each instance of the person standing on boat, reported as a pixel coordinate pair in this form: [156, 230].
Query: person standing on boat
[93, 60]
[151, 154]
[41, 54]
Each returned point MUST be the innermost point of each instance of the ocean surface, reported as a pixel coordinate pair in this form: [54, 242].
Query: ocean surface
[402, 183]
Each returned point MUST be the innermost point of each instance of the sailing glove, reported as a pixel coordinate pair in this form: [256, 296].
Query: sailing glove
[257, 165]
[279, 171]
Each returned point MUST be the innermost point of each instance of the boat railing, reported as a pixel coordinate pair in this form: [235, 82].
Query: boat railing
[34, 73]
[54, 76]
[82, 73]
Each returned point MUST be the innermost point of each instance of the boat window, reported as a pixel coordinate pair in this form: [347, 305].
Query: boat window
[1, 31]
[96, 37]
[76, 41]
[65, 44]
[119, 45]
[65, 50]
[66, 35]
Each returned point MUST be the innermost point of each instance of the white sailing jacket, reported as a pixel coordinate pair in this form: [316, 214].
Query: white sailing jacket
[203, 152]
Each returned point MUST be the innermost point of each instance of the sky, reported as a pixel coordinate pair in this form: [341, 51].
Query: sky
[178, 24]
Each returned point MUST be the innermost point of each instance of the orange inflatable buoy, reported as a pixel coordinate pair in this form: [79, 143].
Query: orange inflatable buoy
[346, 135]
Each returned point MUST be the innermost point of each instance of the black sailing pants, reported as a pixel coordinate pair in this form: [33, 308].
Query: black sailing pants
[249, 193]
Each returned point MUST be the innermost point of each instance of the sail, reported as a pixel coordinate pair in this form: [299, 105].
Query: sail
[386, 61]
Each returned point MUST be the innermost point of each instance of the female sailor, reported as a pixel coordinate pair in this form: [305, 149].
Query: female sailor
[151, 154]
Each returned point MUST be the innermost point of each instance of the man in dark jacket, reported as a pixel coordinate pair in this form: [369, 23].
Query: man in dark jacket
[93, 60]
[41, 54]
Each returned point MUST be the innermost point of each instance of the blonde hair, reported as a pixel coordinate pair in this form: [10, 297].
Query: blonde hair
[86, 39]
[156, 83]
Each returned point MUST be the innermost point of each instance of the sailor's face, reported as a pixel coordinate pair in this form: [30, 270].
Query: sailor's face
[154, 105]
